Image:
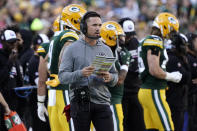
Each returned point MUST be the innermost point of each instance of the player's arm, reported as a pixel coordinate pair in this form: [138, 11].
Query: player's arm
[42, 70]
[41, 91]
[121, 76]
[4, 104]
[153, 58]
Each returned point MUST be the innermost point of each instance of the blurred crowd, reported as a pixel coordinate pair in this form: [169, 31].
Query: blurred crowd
[28, 13]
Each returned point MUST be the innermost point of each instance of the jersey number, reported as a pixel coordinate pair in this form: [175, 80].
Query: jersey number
[163, 66]
[140, 61]
[50, 54]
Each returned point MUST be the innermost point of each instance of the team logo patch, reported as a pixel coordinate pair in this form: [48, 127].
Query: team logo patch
[39, 41]
[2, 37]
[130, 27]
[172, 20]
[110, 27]
[74, 9]
[101, 54]
[179, 64]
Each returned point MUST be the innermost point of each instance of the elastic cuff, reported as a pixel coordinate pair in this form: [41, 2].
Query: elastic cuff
[167, 76]
[124, 67]
[79, 74]
[112, 77]
[40, 104]
[41, 99]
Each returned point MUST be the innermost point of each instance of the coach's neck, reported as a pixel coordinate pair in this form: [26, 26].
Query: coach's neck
[91, 42]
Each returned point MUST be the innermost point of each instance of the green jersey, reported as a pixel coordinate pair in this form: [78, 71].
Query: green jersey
[116, 94]
[56, 45]
[117, 91]
[43, 49]
[149, 81]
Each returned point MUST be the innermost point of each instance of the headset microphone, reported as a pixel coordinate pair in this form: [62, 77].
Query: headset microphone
[93, 37]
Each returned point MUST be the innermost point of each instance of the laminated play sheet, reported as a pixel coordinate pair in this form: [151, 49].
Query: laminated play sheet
[102, 63]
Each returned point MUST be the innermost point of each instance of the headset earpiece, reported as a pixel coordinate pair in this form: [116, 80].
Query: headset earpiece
[83, 25]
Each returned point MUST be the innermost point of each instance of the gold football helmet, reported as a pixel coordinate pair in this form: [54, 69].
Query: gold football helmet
[110, 31]
[56, 24]
[71, 16]
[167, 23]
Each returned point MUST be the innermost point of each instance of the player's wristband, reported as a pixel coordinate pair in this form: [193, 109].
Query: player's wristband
[168, 76]
[41, 99]
[124, 67]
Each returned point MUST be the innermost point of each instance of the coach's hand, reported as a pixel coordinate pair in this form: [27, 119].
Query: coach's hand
[87, 71]
[107, 77]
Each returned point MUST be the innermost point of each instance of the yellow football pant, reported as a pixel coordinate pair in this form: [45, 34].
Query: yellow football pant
[56, 103]
[157, 113]
[117, 116]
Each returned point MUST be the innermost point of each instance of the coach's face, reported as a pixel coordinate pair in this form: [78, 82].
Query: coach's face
[94, 26]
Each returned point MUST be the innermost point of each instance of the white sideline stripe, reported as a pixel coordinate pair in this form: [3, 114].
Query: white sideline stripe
[161, 110]
[114, 118]
[68, 102]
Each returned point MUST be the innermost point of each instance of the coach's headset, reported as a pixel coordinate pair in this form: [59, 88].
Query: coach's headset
[83, 23]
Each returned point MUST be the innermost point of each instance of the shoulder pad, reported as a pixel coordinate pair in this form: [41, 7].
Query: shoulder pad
[70, 34]
[153, 41]
[155, 37]
[41, 50]
[57, 33]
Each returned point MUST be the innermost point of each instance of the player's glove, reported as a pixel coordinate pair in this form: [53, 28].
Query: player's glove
[55, 82]
[41, 108]
[125, 57]
[174, 76]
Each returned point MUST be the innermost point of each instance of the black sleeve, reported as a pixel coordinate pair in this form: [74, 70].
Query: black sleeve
[132, 47]
[175, 64]
[25, 59]
[4, 73]
[155, 51]
[33, 69]
[5, 67]
[19, 77]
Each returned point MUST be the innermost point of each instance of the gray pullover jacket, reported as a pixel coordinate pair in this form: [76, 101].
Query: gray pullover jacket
[79, 55]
